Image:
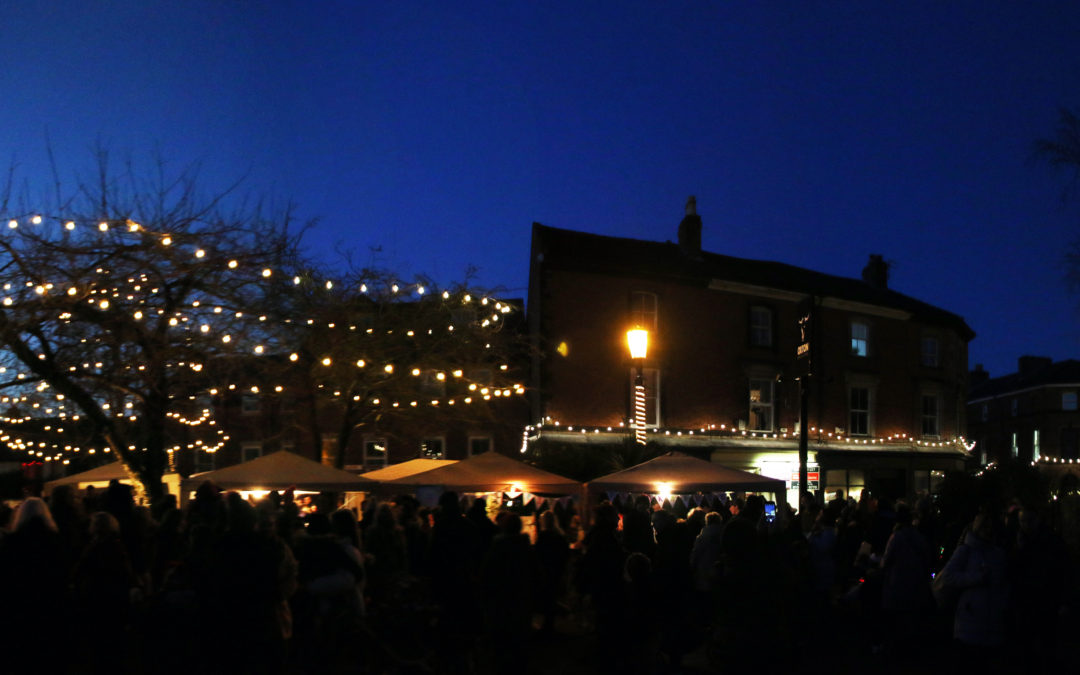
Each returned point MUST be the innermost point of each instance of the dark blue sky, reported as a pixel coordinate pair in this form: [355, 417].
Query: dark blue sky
[811, 133]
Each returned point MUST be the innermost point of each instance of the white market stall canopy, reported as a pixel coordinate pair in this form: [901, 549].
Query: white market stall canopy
[102, 475]
[490, 472]
[279, 471]
[409, 468]
[679, 473]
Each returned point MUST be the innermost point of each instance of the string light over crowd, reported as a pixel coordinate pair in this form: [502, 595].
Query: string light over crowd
[39, 421]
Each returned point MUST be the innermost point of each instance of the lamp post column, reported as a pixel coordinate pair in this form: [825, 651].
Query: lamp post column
[638, 342]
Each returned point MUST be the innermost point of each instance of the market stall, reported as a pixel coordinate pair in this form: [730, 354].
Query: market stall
[487, 473]
[280, 470]
[99, 477]
[677, 474]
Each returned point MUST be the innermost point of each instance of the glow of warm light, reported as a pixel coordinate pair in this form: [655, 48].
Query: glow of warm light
[294, 356]
[326, 361]
[663, 490]
[389, 368]
[637, 339]
[415, 372]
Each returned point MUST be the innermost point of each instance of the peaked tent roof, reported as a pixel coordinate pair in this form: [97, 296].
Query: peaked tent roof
[402, 469]
[572, 250]
[491, 472]
[685, 474]
[281, 470]
[105, 472]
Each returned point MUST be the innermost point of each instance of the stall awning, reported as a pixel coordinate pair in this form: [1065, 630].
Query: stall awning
[490, 472]
[679, 473]
[279, 471]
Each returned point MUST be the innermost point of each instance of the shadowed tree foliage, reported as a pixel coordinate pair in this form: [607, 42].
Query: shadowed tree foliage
[1063, 150]
[116, 299]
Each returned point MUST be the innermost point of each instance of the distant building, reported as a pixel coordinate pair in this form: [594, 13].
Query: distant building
[886, 401]
[1030, 415]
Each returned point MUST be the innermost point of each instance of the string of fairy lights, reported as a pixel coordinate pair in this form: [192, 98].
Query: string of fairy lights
[817, 435]
[46, 419]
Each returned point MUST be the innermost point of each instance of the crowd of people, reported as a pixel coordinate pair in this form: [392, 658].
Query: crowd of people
[99, 584]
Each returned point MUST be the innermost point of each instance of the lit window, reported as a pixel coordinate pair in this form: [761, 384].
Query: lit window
[859, 411]
[1036, 449]
[929, 415]
[930, 355]
[1068, 400]
[1015, 447]
[329, 449]
[761, 321]
[860, 338]
[761, 404]
[432, 448]
[643, 310]
[374, 454]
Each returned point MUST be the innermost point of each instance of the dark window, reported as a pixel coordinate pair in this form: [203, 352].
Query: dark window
[644, 309]
[478, 445]
[929, 415]
[761, 326]
[859, 412]
[931, 352]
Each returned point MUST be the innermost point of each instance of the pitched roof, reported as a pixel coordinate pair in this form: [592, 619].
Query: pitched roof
[1061, 372]
[408, 468]
[684, 474]
[282, 470]
[619, 256]
[491, 472]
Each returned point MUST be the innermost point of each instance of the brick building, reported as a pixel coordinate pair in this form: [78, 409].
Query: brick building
[1030, 415]
[887, 395]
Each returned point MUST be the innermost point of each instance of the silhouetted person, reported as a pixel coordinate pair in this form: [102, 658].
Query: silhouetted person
[1039, 573]
[553, 554]
[33, 590]
[905, 586]
[508, 576]
[103, 581]
[454, 558]
[977, 569]
[602, 577]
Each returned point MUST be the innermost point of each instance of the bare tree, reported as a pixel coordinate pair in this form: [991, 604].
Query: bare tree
[117, 299]
[1063, 150]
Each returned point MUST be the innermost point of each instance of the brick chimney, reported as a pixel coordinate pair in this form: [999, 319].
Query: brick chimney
[876, 272]
[690, 230]
[978, 376]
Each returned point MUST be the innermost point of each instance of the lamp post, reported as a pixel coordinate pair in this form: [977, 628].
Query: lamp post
[637, 339]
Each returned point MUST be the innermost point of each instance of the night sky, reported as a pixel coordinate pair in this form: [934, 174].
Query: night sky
[811, 133]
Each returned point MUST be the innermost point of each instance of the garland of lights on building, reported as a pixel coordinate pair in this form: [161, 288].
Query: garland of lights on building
[207, 320]
[725, 431]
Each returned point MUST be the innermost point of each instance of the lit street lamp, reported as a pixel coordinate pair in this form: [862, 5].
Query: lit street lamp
[637, 340]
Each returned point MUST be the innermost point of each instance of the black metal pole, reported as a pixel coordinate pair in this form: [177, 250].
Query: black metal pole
[804, 436]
